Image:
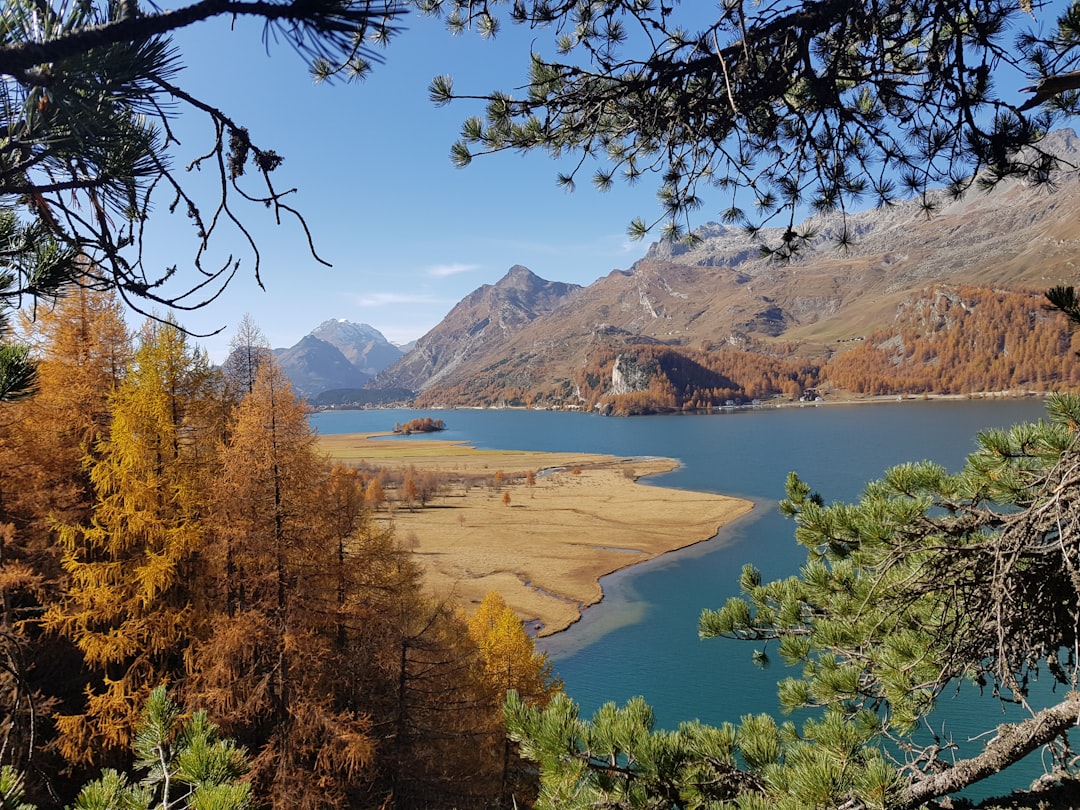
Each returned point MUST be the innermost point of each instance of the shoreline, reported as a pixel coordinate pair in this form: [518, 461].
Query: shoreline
[765, 405]
[545, 545]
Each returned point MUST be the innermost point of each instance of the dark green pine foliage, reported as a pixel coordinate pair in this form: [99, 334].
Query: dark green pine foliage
[184, 762]
[932, 580]
[88, 92]
[766, 109]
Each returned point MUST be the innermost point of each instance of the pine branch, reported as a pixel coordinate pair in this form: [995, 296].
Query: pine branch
[326, 17]
[1012, 743]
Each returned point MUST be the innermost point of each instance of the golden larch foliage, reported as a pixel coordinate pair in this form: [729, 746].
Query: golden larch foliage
[128, 606]
[509, 654]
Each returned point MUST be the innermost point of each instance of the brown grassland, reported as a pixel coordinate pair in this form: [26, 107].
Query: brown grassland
[541, 541]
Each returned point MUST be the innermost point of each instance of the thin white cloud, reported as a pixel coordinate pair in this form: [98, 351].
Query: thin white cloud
[444, 270]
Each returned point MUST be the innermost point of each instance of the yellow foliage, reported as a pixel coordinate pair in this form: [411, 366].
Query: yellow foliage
[128, 601]
[509, 653]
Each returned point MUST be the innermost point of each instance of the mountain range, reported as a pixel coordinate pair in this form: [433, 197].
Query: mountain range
[528, 340]
[337, 354]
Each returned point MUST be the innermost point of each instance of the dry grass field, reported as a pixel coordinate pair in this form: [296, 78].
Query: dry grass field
[542, 541]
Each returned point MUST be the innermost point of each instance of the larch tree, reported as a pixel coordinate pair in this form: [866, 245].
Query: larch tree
[248, 349]
[82, 348]
[440, 748]
[131, 601]
[510, 658]
[510, 663]
[374, 493]
[272, 668]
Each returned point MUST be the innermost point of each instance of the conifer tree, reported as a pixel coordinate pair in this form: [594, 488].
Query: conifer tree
[510, 658]
[931, 580]
[441, 748]
[247, 351]
[510, 663]
[30, 260]
[130, 603]
[81, 348]
[778, 106]
[274, 668]
[374, 494]
[185, 764]
[87, 95]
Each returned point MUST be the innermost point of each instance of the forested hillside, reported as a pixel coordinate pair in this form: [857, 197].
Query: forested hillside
[167, 523]
[915, 303]
[944, 339]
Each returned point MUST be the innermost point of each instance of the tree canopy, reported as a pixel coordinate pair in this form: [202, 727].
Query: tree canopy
[86, 146]
[85, 139]
[787, 108]
[932, 581]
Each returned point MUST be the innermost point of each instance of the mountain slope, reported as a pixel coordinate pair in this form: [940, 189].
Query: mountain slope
[478, 328]
[362, 345]
[314, 366]
[722, 294]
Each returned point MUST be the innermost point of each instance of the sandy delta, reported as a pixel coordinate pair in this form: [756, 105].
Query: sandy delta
[545, 545]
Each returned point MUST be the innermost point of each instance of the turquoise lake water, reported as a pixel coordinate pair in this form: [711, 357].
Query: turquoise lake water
[642, 638]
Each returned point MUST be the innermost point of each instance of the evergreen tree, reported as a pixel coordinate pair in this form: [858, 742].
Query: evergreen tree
[31, 261]
[780, 105]
[88, 90]
[931, 580]
[187, 765]
[185, 762]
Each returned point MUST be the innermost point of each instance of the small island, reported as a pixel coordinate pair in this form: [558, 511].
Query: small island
[421, 425]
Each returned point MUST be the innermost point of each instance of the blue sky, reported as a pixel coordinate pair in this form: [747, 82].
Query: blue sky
[408, 234]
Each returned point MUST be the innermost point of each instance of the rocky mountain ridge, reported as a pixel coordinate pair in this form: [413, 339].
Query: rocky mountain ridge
[526, 334]
[337, 354]
[478, 327]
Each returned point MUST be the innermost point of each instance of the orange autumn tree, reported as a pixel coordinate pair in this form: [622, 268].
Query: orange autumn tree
[81, 347]
[444, 731]
[510, 658]
[274, 668]
[130, 603]
[374, 495]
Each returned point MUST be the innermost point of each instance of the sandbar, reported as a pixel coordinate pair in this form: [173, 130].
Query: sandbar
[543, 545]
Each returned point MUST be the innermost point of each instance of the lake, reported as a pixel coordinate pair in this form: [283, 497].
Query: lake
[642, 638]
